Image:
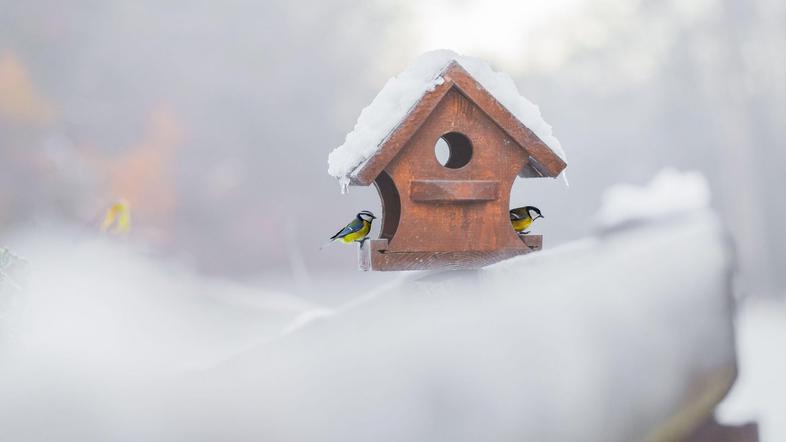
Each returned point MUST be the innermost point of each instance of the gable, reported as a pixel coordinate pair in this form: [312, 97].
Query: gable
[475, 147]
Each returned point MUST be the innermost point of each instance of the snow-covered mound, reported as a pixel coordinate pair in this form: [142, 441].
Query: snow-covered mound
[759, 393]
[111, 308]
[511, 352]
[670, 194]
[402, 92]
[604, 339]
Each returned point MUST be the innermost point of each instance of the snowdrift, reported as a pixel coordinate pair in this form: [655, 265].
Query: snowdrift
[623, 336]
[607, 339]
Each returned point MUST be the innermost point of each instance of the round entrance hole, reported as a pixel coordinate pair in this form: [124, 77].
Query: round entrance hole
[453, 150]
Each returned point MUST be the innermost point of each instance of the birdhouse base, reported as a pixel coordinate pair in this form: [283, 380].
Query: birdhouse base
[374, 255]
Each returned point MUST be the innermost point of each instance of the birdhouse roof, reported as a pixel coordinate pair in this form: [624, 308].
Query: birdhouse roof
[406, 101]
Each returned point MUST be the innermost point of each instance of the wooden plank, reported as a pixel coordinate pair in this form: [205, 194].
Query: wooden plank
[432, 191]
[533, 242]
[374, 255]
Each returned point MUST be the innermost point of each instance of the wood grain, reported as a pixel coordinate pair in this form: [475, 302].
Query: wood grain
[453, 190]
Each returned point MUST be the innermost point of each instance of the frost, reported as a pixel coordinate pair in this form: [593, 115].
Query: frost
[12, 269]
[401, 93]
[343, 182]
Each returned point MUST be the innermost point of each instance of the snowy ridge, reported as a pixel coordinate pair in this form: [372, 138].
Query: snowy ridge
[597, 318]
[641, 316]
[378, 120]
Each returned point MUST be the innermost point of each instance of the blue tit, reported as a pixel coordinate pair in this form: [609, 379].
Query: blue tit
[356, 231]
[522, 218]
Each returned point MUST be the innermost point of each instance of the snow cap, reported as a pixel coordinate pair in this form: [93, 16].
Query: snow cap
[402, 92]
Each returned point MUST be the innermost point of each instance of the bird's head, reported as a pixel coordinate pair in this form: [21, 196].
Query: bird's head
[365, 215]
[534, 210]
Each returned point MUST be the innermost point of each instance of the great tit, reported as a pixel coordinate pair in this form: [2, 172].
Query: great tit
[356, 231]
[522, 218]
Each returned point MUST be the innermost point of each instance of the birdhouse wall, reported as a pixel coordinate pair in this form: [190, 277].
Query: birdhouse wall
[452, 209]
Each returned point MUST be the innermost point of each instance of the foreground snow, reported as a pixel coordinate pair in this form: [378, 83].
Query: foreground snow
[760, 393]
[512, 352]
[99, 306]
[604, 339]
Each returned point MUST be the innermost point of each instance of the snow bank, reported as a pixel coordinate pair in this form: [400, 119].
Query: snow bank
[401, 93]
[604, 339]
[759, 393]
[511, 352]
[99, 306]
[670, 194]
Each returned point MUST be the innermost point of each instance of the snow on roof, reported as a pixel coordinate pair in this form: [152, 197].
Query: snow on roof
[391, 105]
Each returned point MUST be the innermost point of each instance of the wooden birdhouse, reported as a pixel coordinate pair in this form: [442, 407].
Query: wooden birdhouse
[453, 213]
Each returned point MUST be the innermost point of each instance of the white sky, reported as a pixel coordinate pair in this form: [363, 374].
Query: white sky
[498, 29]
[534, 35]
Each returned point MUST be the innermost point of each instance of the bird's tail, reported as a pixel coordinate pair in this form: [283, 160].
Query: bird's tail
[327, 244]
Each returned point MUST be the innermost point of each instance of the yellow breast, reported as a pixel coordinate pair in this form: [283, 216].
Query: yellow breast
[360, 234]
[520, 225]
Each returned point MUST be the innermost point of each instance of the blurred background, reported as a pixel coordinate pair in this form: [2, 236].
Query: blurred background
[214, 120]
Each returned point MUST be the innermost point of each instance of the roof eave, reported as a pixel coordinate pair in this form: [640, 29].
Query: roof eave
[366, 172]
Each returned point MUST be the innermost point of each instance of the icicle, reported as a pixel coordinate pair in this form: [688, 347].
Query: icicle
[343, 183]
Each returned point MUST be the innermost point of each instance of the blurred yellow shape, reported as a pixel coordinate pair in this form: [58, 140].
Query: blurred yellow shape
[144, 171]
[117, 219]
